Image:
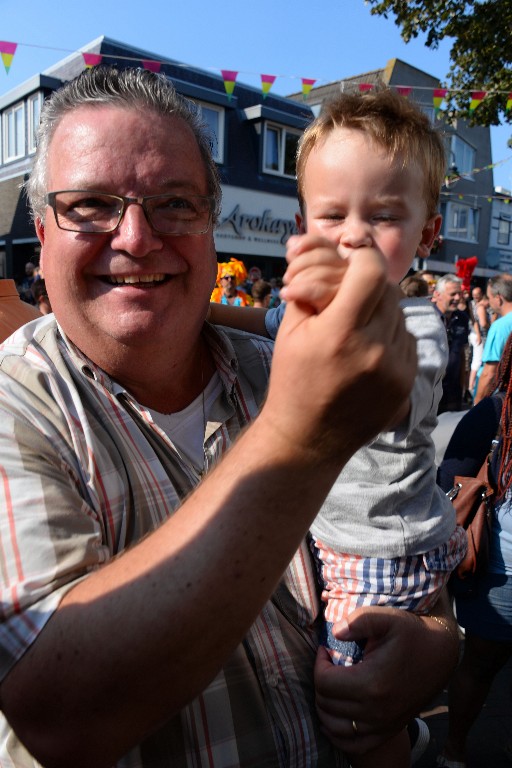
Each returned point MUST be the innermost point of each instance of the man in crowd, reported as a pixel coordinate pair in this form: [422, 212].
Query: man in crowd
[499, 293]
[446, 296]
[144, 622]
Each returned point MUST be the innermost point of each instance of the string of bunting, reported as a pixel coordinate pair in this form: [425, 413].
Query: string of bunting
[229, 76]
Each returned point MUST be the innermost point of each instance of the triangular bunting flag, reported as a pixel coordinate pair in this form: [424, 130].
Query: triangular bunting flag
[509, 103]
[439, 96]
[476, 98]
[307, 85]
[267, 81]
[365, 87]
[229, 78]
[91, 59]
[404, 90]
[7, 50]
[153, 66]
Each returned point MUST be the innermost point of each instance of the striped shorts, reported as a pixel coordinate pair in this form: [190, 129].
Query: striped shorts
[412, 582]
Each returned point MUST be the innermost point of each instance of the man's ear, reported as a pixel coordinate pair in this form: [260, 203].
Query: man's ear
[428, 235]
[40, 236]
[301, 225]
[39, 229]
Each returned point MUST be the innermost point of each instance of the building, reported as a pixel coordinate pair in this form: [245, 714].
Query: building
[254, 142]
[465, 198]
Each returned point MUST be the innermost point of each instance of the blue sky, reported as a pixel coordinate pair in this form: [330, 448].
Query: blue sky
[325, 41]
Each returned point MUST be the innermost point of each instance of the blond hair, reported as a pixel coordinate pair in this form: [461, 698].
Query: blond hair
[392, 122]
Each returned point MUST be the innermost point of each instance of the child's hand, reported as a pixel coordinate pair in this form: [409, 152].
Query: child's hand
[315, 271]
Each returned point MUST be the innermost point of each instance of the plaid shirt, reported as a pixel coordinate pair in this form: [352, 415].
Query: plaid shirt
[70, 441]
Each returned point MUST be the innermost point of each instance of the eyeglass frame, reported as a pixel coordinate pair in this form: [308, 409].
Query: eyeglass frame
[50, 200]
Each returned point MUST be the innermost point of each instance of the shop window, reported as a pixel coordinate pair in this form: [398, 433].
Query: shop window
[214, 117]
[34, 112]
[14, 132]
[279, 150]
[503, 232]
[463, 156]
[461, 222]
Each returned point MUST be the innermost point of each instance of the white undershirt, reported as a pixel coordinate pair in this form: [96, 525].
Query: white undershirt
[186, 428]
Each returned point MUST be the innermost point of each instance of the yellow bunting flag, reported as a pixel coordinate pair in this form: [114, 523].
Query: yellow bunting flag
[91, 59]
[476, 98]
[438, 98]
[267, 81]
[7, 50]
[509, 103]
[229, 77]
[153, 66]
[307, 85]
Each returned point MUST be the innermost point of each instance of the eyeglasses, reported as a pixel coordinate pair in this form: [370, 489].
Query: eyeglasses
[92, 212]
[228, 277]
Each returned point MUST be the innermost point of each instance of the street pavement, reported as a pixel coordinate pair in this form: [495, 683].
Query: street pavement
[490, 740]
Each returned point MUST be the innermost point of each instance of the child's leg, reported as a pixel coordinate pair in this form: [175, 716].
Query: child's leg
[395, 753]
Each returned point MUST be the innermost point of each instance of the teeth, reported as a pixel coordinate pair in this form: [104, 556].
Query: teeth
[134, 279]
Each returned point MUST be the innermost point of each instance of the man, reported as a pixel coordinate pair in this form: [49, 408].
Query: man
[139, 624]
[230, 275]
[446, 296]
[429, 278]
[499, 293]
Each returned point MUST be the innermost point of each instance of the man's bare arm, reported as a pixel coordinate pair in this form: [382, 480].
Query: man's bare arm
[485, 382]
[131, 644]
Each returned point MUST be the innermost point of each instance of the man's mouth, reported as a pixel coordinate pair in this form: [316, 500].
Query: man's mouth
[136, 279]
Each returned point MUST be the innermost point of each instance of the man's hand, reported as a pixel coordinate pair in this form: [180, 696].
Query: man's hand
[340, 376]
[421, 652]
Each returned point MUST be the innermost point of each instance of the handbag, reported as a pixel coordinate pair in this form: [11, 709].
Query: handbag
[473, 499]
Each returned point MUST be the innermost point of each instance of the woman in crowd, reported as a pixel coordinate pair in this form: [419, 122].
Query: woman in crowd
[484, 606]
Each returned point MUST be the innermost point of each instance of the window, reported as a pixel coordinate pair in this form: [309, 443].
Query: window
[279, 150]
[503, 232]
[429, 112]
[464, 156]
[214, 118]
[14, 132]
[34, 111]
[461, 222]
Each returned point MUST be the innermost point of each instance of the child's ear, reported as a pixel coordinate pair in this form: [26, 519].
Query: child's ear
[428, 236]
[300, 222]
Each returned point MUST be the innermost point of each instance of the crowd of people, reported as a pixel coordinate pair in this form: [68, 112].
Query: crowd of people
[213, 512]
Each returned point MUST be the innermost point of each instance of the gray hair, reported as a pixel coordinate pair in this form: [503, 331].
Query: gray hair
[445, 279]
[501, 285]
[128, 88]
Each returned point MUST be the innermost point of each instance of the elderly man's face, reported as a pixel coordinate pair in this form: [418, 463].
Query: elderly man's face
[448, 298]
[133, 286]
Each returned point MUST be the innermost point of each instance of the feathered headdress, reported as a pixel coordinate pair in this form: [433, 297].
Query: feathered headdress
[464, 269]
[232, 267]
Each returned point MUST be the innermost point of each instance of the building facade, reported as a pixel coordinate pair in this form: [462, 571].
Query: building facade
[466, 195]
[254, 142]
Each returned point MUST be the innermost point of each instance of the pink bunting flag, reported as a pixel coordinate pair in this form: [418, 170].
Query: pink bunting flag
[307, 85]
[267, 81]
[509, 103]
[476, 98]
[7, 50]
[365, 87]
[91, 59]
[439, 96]
[404, 90]
[153, 66]
[229, 78]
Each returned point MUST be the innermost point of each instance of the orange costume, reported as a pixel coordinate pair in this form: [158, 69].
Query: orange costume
[237, 269]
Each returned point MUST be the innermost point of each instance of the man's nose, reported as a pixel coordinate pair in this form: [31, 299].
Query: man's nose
[134, 233]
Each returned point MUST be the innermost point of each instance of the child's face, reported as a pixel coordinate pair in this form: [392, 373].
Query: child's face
[356, 196]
